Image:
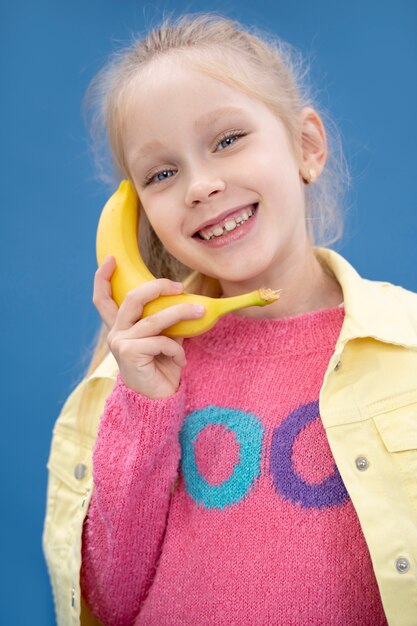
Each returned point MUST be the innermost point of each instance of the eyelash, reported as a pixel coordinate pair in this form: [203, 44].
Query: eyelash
[232, 134]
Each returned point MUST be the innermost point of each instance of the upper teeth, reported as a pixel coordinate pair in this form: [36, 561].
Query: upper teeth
[230, 224]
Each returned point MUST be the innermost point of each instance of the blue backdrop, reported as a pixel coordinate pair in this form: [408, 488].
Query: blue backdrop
[363, 57]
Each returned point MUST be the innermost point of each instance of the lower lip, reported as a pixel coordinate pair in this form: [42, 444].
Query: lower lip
[233, 235]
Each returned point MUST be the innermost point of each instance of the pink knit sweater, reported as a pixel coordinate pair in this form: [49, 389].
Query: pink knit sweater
[259, 529]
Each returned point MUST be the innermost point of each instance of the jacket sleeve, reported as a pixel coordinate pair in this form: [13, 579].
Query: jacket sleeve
[135, 464]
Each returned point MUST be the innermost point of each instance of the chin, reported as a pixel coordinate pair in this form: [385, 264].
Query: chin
[240, 269]
[250, 270]
[243, 276]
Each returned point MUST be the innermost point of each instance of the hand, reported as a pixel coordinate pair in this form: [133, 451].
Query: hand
[149, 362]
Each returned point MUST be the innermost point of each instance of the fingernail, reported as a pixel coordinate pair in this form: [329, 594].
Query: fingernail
[178, 286]
[199, 309]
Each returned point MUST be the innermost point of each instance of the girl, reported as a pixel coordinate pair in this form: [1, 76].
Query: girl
[262, 473]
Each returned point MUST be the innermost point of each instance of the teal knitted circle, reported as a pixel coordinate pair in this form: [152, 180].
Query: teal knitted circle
[249, 434]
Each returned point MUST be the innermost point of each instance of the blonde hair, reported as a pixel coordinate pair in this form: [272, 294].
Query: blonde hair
[262, 66]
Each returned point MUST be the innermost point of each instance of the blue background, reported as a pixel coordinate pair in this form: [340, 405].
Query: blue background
[363, 57]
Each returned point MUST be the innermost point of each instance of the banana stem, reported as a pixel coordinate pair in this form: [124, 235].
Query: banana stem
[259, 297]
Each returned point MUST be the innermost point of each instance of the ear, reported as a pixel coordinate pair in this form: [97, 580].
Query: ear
[313, 145]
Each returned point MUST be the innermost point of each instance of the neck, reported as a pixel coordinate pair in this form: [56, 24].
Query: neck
[306, 286]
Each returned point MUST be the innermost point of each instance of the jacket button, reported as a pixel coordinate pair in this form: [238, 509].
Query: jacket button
[80, 471]
[362, 463]
[402, 565]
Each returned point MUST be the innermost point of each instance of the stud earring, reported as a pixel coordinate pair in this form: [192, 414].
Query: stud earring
[311, 177]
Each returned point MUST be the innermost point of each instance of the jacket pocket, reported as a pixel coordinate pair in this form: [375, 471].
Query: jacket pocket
[398, 428]
[69, 485]
[70, 460]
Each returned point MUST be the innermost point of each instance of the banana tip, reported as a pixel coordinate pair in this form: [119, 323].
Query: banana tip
[269, 295]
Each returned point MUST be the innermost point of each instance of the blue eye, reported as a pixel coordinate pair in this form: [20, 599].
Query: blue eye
[159, 176]
[163, 175]
[229, 139]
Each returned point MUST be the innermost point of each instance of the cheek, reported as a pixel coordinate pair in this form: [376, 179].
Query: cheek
[285, 189]
[162, 219]
[168, 230]
[271, 178]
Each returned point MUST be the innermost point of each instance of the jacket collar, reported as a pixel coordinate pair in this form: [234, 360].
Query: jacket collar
[108, 368]
[372, 309]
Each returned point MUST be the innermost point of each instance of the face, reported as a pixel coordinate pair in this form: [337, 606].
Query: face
[216, 175]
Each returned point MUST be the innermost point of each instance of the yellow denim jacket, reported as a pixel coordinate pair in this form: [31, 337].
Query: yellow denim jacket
[368, 405]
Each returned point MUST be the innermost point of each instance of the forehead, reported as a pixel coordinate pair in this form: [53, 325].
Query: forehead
[168, 81]
[173, 93]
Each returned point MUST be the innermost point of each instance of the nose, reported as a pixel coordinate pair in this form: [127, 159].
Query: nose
[202, 187]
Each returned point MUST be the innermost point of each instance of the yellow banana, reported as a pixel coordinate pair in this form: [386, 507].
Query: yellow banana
[117, 235]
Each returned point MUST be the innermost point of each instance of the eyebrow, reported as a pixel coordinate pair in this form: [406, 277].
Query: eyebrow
[199, 125]
[212, 116]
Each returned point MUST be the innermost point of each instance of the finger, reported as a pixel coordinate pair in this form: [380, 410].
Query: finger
[132, 307]
[102, 294]
[155, 346]
[154, 325]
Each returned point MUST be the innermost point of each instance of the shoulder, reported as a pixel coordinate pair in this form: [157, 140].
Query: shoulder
[373, 308]
[392, 310]
[405, 298]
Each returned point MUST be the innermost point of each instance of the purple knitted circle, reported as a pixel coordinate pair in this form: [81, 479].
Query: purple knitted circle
[288, 483]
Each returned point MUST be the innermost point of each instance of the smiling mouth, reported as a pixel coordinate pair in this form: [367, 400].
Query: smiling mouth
[227, 225]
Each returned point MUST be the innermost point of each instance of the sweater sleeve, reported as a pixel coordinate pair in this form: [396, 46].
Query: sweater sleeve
[135, 462]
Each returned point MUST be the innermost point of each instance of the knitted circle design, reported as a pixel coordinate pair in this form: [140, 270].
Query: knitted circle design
[249, 434]
[329, 492]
